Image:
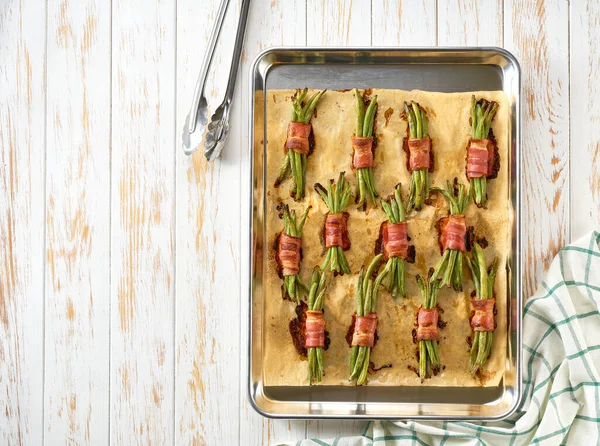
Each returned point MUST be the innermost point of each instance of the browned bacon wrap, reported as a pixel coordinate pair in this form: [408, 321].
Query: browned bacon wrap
[483, 319]
[336, 230]
[288, 251]
[427, 325]
[453, 230]
[363, 152]
[364, 330]
[480, 158]
[297, 138]
[420, 153]
[315, 329]
[395, 240]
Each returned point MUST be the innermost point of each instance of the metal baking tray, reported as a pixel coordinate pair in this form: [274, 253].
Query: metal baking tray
[433, 69]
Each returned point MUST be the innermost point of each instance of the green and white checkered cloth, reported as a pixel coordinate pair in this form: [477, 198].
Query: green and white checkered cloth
[561, 342]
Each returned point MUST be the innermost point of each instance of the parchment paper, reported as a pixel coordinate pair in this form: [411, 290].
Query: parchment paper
[333, 126]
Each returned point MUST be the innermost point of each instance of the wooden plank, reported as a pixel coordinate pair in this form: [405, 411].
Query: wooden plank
[208, 214]
[585, 114]
[22, 147]
[536, 32]
[470, 23]
[77, 223]
[142, 216]
[339, 23]
[272, 23]
[342, 22]
[404, 22]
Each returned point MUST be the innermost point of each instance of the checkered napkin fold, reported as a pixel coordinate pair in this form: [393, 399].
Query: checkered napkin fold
[561, 342]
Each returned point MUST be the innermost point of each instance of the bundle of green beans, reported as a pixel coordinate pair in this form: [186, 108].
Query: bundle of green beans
[450, 267]
[419, 184]
[483, 278]
[394, 209]
[366, 300]
[482, 115]
[295, 163]
[336, 197]
[429, 353]
[316, 298]
[293, 285]
[364, 128]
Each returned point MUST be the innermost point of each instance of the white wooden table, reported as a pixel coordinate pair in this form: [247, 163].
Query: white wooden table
[123, 306]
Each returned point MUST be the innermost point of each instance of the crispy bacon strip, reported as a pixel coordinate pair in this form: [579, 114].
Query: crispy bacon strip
[480, 158]
[315, 329]
[427, 324]
[288, 251]
[453, 230]
[297, 138]
[336, 230]
[364, 330]
[483, 319]
[420, 153]
[363, 152]
[395, 240]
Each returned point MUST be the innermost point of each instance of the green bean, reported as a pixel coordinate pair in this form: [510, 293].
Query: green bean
[441, 266]
[450, 268]
[372, 266]
[423, 124]
[387, 208]
[474, 349]
[401, 267]
[431, 353]
[422, 360]
[301, 96]
[483, 190]
[370, 118]
[284, 170]
[422, 195]
[359, 362]
[417, 179]
[310, 106]
[417, 113]
[361, 187]
[368, 298]
[372, 180]
[327, 259]
[343, 261]
[481, 350]
[353, 356]
[362, 378]
[411, 121]
[473, 116]
[335, 264]
[299, 176]
[360, 291]
[457, 278]
[360, 112]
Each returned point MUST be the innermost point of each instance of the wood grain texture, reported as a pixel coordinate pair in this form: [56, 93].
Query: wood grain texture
[470, 23]
[142, 216]
[536, 32]
[404, 22]
[338, 23]
[77, 223]
[274, 23]
[22, 104]
[208, 213]
[584, 117]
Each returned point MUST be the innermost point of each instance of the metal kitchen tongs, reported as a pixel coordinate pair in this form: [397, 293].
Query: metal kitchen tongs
[197, 123]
